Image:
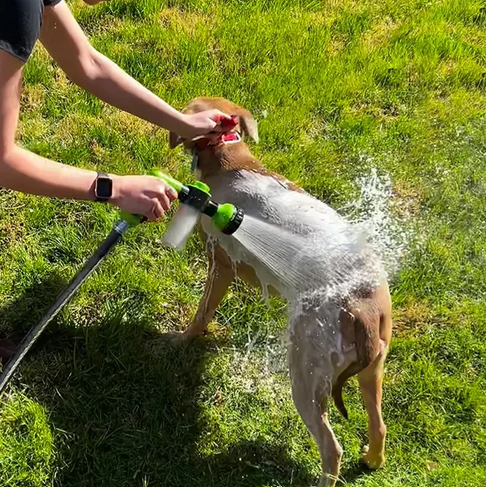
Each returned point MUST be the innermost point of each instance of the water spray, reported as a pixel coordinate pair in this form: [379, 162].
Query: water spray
[195, 200]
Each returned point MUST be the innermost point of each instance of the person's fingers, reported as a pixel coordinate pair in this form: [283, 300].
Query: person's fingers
[171, 193]
[151, 216]
[157, 210]
[218, 117]
[164, 201]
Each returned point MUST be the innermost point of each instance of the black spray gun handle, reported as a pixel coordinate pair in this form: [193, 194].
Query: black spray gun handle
[226, 217]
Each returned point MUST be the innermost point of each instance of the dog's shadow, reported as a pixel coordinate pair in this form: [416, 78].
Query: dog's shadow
[354, 472]
[125, 406]
[124, 403]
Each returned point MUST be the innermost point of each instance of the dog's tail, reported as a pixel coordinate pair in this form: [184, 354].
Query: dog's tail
[337, 388]
[368, 348]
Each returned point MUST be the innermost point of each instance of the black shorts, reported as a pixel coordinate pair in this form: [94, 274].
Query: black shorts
[20, 25]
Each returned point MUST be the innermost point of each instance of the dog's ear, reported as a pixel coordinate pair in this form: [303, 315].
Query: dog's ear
[174, 140]
[248, 124]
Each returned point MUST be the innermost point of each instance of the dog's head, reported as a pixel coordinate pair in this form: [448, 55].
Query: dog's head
[246, 127]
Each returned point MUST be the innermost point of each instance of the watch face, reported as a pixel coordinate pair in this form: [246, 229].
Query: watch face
[104, 188]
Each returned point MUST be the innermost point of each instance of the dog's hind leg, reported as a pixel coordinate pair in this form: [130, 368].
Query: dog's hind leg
[371, 384]
[370, 381]
[220, 276]
[311, 403]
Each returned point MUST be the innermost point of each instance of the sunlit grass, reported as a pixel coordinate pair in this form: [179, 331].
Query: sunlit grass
[338, 88]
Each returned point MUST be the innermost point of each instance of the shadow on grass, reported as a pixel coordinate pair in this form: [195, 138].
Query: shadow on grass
[20, 315]
[355, 472]
[124, 404]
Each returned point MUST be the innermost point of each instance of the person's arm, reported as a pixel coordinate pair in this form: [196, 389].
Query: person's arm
[21, 170]
[24, 171]
[92, 71]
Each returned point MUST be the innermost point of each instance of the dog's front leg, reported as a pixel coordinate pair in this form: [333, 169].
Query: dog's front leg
[220, 277]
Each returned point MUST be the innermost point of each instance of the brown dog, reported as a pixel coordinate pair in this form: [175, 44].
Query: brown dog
[358, 326]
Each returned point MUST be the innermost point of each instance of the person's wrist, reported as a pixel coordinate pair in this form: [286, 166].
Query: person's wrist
[117, 191]
[180, 125]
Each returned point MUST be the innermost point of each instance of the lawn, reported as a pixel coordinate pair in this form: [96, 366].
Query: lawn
[341, 90]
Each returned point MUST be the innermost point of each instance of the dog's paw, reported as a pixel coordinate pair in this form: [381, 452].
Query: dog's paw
[372, 460]
[327, 480]
[184, 338]
[178, 338]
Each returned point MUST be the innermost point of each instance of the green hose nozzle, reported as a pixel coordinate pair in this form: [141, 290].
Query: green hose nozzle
[132, 220]
[226, 217]
[169, 180]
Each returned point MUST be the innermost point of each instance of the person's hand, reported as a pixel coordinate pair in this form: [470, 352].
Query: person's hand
[202, 123]
[147, 196]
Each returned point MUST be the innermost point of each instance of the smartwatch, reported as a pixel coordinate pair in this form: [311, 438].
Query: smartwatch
[103, 188]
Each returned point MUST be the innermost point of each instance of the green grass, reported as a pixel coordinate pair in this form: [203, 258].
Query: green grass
[338, 87]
